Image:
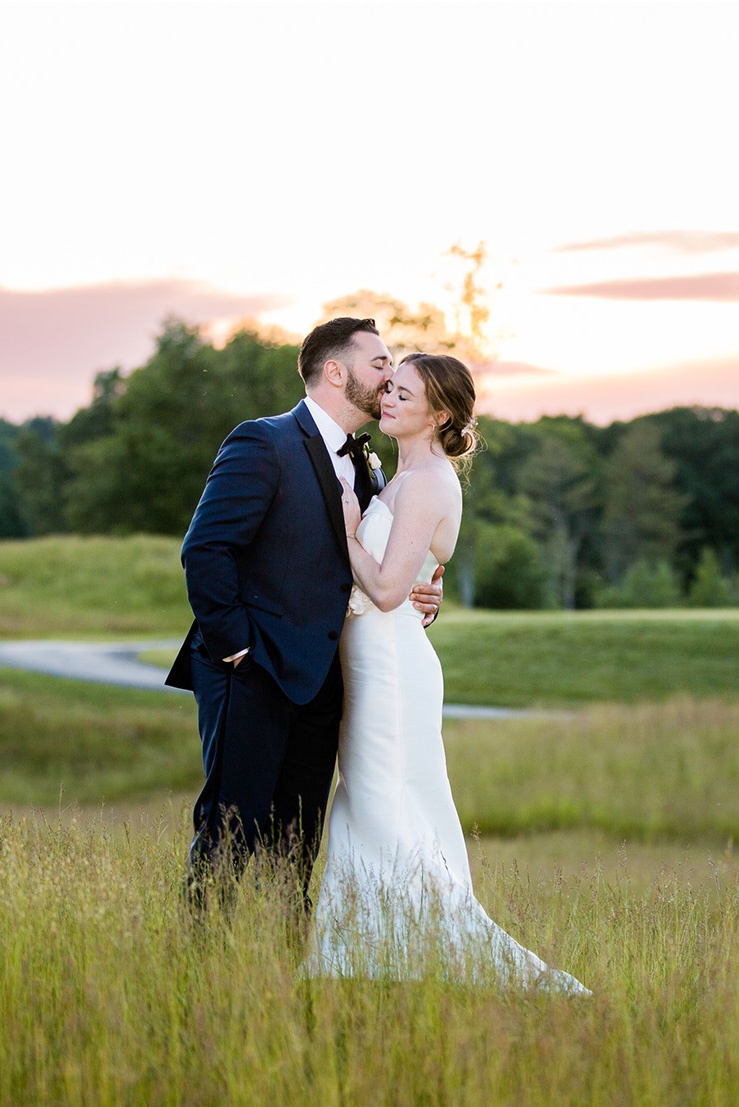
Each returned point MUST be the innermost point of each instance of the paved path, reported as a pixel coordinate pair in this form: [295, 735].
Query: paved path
[117, 663]
[102, 662]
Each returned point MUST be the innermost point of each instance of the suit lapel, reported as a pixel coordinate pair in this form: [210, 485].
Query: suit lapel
[368, 482]
[325, 472]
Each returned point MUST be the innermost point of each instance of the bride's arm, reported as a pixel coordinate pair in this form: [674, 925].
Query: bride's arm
[420, 505]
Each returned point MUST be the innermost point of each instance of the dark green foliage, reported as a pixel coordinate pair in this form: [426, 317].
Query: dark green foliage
[510, 572]
[12, 524]
[643, 508]
[558, 479]
[645, 584]
[137, 458]
[40, 476]
[710, 588]
[557, 513]
[8, 438]
[703, 444]
[160, 432]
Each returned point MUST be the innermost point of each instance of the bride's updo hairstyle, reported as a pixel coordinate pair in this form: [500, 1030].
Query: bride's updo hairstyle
[450, 387]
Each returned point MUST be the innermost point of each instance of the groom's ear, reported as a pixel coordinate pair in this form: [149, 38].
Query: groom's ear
[334, 372]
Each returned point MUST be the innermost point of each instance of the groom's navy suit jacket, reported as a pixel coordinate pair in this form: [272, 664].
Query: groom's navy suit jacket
[265, 556]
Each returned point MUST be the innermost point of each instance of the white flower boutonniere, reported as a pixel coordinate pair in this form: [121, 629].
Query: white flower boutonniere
[372, 459]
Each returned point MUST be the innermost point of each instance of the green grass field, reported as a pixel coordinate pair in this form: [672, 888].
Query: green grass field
[118, 588]
[560, 658]
[70, 587]
[606, 828]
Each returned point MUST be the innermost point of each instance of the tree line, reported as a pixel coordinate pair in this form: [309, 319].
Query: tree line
[558, 514]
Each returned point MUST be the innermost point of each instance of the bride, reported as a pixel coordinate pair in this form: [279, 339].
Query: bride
[396, 899]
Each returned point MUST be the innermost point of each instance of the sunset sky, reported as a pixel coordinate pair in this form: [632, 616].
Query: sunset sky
[229, 160]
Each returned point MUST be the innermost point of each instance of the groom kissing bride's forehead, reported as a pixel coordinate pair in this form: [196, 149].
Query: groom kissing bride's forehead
[269, 578]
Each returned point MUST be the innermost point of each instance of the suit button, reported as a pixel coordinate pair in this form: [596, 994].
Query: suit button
[346, 587]
[333, 635]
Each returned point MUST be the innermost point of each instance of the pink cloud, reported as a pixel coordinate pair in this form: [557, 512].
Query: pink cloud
[53, 342]
[716, 287]
[687, 242]
[602, 399]
[511, 369]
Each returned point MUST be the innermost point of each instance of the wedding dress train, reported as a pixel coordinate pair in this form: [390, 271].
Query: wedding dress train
[396, 899]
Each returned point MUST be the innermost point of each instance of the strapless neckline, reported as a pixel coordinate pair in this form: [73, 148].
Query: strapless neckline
[377, 500]
[373, 533]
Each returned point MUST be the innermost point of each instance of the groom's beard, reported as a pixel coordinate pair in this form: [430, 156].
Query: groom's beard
[364, 398]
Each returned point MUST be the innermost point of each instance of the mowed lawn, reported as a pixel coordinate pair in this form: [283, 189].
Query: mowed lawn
[109, 588]
[571, 658]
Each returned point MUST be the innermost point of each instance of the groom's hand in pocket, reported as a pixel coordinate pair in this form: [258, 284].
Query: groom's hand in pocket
[428, 597]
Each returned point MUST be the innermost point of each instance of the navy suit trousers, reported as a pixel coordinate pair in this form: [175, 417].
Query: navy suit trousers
[268, 763]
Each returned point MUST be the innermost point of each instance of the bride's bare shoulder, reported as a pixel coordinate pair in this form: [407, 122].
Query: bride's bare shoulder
[436, 482]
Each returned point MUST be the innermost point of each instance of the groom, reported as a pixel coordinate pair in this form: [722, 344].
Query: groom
[268, 579]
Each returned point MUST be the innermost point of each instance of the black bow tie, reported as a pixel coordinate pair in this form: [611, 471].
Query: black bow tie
[354, 447]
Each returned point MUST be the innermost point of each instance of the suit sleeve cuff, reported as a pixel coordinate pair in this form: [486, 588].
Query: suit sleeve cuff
[236, 656]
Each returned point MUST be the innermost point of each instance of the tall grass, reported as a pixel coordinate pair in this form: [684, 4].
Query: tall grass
[645, 771]
[110, 992]
[90, 743]
[654, 771]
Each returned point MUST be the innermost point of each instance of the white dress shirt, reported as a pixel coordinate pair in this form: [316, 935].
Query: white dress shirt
[334, 438]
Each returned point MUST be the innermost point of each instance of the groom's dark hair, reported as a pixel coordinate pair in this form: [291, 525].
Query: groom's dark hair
[329, 340]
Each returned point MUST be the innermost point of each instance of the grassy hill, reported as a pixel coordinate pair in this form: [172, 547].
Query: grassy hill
[98, 587]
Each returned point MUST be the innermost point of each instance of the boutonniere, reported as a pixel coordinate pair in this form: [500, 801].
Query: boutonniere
[372, 459]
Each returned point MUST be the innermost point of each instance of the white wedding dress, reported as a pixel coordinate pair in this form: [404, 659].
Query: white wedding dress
[396, 899]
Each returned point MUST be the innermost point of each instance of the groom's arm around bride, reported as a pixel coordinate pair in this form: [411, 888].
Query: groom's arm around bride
[268, 579]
